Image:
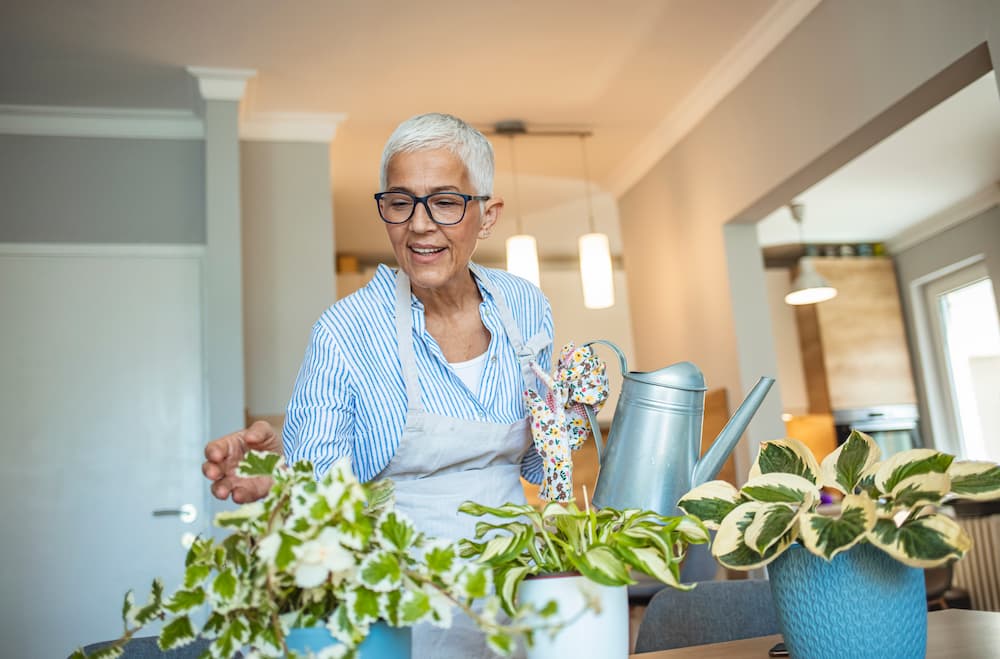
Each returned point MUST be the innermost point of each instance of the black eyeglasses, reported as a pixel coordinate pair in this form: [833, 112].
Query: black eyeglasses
[444, 208]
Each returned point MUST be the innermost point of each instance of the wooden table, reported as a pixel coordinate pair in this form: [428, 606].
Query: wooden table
[951, 634]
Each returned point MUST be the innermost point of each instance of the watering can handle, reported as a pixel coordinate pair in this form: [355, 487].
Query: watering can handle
[595, 428]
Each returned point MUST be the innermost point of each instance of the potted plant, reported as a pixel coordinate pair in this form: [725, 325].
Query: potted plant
[580, 559]
[846, 578]
[328, 558]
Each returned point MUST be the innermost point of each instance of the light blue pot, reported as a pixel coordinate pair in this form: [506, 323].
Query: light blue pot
[383, 642]
[863, 603]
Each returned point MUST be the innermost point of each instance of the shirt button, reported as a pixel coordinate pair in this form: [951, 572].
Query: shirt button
[493, 359]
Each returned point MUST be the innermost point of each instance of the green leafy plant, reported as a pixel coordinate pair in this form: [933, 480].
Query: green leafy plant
[331, 552]
[892, 504]
[602, 545]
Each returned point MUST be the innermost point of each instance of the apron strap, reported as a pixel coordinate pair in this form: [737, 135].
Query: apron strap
[526, 350]
[404, 341]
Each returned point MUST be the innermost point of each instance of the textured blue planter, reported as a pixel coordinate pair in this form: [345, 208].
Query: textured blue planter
[863, 603]
[383, 642]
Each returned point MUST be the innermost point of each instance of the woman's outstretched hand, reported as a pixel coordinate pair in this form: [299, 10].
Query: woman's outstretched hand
[223, 456]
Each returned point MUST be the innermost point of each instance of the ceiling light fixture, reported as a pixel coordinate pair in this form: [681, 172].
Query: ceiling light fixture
[596, 273]
[809, 287]
[522, 249]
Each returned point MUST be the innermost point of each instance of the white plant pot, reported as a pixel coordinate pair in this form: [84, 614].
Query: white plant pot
[592, 634]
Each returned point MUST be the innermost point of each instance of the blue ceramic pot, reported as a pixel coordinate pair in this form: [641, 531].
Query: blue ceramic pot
[863, 603]
[383, 642]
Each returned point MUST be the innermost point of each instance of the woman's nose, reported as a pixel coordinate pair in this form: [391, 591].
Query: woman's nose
[421, 221]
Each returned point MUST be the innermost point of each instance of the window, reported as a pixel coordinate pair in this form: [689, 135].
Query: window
[965, 334]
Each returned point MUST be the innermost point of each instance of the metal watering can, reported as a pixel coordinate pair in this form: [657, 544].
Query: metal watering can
[651, 458]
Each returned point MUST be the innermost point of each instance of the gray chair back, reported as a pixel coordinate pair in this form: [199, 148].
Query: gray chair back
[145, 647]
[714, 612]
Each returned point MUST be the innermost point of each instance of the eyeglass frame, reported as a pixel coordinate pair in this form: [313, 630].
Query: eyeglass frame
[423, 200]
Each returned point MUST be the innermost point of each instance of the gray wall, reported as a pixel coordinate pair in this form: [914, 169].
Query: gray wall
[979, 235]
[100, 190]
[288, 251]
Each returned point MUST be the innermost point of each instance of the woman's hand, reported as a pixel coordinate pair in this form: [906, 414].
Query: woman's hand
[223, 456]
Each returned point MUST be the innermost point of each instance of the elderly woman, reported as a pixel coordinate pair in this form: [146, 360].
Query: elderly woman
[419, 375]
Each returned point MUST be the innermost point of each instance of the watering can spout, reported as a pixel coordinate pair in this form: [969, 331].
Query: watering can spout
[709, 464]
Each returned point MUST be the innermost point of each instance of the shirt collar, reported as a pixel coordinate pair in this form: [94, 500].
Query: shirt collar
[384, 283]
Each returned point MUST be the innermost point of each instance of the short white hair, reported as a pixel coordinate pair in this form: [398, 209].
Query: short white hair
[443, 131]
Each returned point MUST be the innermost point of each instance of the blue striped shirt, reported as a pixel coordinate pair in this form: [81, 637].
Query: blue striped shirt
[350, 398]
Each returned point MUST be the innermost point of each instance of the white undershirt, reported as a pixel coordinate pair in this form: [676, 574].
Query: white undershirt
[470, 372]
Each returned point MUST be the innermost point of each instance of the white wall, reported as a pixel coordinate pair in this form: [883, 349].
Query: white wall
[794, 399]
[287, 262]
[850, 74]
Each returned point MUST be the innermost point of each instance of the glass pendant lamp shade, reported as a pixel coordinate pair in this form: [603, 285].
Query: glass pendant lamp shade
[596, 272]
[809, 286]
[522, 257]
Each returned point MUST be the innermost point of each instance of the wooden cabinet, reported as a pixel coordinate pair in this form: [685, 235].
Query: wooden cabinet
[854, 347]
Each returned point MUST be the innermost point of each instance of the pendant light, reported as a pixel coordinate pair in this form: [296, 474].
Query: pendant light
[522, 250]
[596, 273]
[809, 286]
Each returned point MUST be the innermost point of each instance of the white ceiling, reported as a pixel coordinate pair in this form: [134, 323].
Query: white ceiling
[637, 73]
[944, 157]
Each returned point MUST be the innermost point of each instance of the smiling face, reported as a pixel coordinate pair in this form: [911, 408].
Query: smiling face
[436, 258]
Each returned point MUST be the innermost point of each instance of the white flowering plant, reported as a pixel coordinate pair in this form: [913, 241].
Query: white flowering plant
[331, 552]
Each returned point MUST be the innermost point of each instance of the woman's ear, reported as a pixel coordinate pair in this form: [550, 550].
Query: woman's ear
[491, 215]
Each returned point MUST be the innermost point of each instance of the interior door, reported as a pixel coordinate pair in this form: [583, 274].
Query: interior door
[103, 416]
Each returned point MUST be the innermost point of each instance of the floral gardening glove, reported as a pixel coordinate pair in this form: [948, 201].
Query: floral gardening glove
[559, 420]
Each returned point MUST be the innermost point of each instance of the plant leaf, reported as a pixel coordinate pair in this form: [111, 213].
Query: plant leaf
[691, 530]
[730, 547]
[827, 536]
[258, 463]
[177, 633]
[183, 601]
[399, 531]
[710, 502]
[843, 469]
[780, 487]
[770, 524]
[506, 511]
[501, 644]
[904, 464]
[652, 563]
[789, 456]
[975, 480]
[381, 571]
[920, 489]
[922, 542]
[224, 585]
[508, 581]
[414, 607]
[601, 565]
[440, 559]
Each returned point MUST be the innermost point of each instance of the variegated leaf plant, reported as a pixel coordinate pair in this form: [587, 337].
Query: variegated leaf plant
[330, 553]
[603, 545]
[894, 504]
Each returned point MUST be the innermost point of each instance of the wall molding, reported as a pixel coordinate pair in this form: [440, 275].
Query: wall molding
[939, 222]
[129, 123]
[221, 84]
[725, 76]
[290, 126]
[161, 124]
[145, 250]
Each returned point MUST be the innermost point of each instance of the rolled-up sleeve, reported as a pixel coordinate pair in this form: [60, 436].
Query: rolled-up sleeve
[319, 424]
